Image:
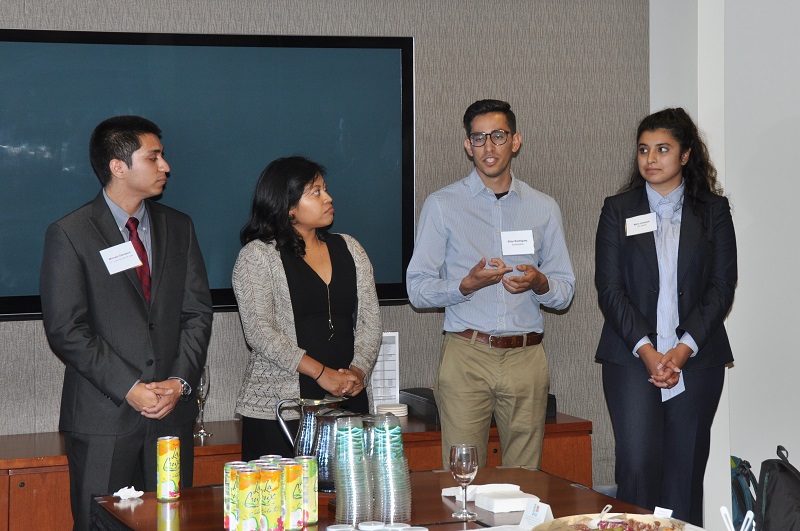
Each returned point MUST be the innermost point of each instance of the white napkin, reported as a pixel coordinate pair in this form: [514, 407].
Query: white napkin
[472, 490]
[126, 493]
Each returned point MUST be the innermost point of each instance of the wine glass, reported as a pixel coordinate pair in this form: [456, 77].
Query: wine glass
[464, 466]
[202, 393]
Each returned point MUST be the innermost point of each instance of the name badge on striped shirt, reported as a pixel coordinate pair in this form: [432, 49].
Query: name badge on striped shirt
[517, 242]
[640, 224]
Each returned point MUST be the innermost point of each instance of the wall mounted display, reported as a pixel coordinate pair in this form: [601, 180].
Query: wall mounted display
[227, 105]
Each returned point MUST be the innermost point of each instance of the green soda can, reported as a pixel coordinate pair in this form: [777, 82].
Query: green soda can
[229, 497]
[271, 498]
[248, 500]
[292, 484]
[310, 488]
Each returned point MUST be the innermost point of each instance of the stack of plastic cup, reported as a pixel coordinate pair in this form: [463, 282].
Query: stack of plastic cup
[368, 421]
[369, 448]
[390, 479]
[351, 473]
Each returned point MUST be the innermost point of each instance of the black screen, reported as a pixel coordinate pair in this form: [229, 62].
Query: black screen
[227, 106]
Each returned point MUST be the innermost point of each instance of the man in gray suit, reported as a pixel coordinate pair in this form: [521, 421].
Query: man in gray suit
[126, 306]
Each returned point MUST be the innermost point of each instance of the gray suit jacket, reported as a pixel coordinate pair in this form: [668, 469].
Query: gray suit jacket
[103, 329]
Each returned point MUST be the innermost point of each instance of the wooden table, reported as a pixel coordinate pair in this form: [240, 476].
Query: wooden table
[201, 508]
[33, 467]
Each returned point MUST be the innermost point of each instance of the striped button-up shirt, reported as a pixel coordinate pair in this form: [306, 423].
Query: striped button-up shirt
[462, 223]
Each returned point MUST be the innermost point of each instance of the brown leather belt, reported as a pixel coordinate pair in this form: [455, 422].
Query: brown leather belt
[523, 340]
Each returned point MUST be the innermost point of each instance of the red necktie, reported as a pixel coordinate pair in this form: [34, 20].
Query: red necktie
[142, 271]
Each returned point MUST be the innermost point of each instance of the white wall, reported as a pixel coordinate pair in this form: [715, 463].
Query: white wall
[762, 84]
[673, 55]
[733, 65]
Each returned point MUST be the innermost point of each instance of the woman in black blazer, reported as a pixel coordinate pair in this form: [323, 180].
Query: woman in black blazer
[665, 274]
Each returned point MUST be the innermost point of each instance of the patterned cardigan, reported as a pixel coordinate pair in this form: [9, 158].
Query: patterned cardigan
[265, 308]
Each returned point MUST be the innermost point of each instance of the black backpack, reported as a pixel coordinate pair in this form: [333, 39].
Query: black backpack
[777, 506]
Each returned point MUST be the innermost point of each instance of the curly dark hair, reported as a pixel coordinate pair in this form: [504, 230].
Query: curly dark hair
[699, 173]
[279, 189]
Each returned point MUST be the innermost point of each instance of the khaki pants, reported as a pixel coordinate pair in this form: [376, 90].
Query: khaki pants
[475, 381]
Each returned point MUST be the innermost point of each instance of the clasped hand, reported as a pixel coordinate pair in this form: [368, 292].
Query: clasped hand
[154, 400]
[665, 369]
[342, 382]
[495, 270]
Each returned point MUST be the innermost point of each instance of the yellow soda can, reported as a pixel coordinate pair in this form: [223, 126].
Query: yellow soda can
[271, 499]
[248, 500]
[168, 471]
[229, 497]
[292, 485]
[310, 488]
[272, 458]
[169, 516]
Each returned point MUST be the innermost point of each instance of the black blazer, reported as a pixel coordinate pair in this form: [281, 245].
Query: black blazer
[103, 329]
[626, 278]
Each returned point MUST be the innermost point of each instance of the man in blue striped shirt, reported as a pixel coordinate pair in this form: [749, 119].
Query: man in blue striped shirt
[490, 250]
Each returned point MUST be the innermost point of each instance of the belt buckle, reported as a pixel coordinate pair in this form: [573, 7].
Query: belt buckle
[516, 341]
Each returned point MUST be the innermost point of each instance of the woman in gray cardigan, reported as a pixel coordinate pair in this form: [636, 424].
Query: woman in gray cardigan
[307, 302]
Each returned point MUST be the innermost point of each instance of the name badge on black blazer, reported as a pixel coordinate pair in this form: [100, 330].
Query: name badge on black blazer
[640, 224]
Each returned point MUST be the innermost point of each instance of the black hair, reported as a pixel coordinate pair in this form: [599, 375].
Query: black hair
[489, 106]
[117, 138]
[699, 173]
[279, 189]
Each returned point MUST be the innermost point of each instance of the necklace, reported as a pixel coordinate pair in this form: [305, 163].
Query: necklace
[328, 290]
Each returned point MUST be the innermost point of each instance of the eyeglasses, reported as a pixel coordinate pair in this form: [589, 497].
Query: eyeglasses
[498, 136]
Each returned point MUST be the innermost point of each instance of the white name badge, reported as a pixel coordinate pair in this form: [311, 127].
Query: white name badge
[120, 257]
[640, 224]
[517, 242]
[535, 513]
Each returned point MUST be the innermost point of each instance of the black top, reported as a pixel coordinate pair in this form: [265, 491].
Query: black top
[332, 347]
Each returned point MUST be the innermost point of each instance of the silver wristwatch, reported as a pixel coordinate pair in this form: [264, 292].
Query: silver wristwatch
[186, 390]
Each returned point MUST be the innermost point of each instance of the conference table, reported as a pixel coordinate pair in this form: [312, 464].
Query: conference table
[201, 508]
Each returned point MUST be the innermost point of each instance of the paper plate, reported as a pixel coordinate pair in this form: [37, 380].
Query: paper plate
[566, 523]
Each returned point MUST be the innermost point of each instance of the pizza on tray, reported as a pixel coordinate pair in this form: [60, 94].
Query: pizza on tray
[617, 522]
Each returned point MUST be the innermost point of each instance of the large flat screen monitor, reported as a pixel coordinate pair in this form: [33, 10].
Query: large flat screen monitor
[227, 105]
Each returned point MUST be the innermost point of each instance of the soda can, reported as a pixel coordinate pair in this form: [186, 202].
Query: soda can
[271, 499]
[272, 458]
[292, 486]
[229, 490]
[310, 488]
[248, 500]
[169, 516]
[168, 471]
